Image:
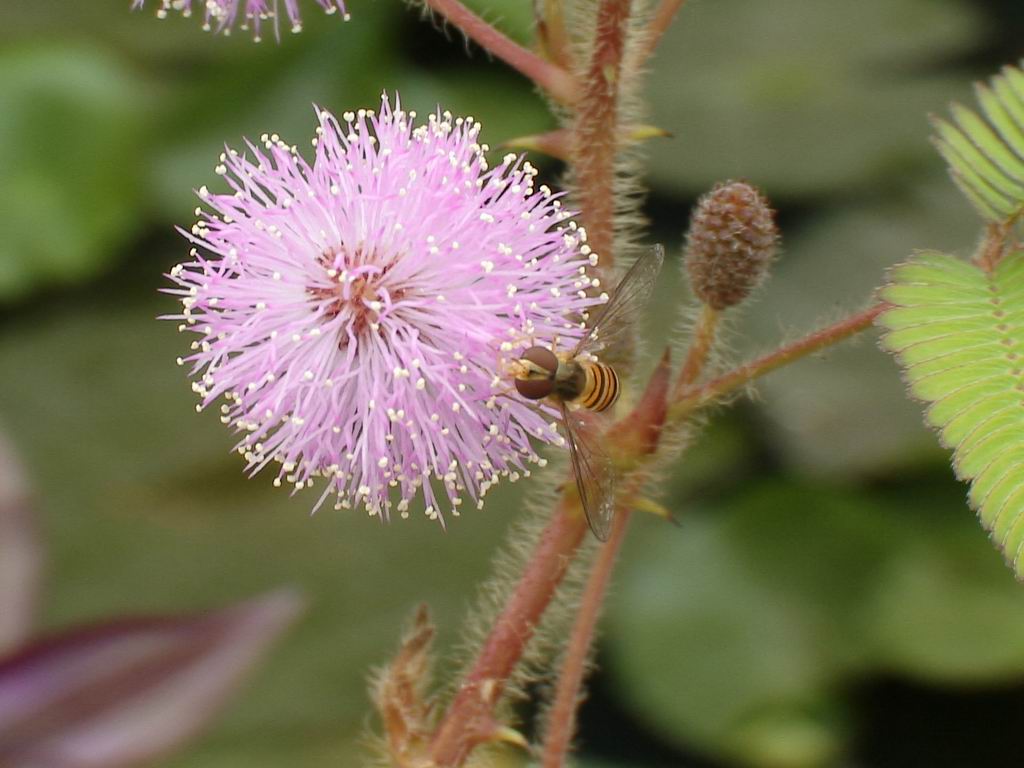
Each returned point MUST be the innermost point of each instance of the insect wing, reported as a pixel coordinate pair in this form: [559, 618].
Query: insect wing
[617, 313]
[593, 472]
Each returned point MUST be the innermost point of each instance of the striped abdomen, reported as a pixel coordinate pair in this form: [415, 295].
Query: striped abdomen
[601, 388]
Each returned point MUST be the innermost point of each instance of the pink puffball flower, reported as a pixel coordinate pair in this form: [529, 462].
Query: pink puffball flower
[356, 315]
[222, 15]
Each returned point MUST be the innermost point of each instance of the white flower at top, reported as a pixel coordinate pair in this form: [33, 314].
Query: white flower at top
[223, 15]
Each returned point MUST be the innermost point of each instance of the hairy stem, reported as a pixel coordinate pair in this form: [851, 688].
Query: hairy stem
[659, 24]
[562, 717]
[596, 129]
[596, 141]
[695, 398]
[700, 349]
[561, 723]
[552, 78]
[469, 720]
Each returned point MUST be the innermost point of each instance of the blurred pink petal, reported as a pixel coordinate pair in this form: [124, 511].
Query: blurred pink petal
[129, 691]
[20, 552]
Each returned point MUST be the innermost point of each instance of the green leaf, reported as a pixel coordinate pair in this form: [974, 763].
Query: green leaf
[986, 159]
[957, 331]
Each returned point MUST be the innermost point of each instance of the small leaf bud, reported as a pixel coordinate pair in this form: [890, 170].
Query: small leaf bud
[731, 243]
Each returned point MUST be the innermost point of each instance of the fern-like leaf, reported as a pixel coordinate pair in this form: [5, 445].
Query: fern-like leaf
[986, 154]
[958, 332]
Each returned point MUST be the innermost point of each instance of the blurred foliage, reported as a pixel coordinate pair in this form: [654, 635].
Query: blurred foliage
[823, 541]
[69, 117]
[741, 632]
[829, 267]
[805, 98]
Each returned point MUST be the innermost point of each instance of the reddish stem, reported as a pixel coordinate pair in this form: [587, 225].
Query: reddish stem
[998, 241]
[469, 721]
[552, 78]
[562, 717]
[698, 397]
[597, 135]
[700, 349]
[637, 436]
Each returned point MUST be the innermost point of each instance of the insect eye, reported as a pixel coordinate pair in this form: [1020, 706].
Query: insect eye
[542, 358]
[535, 389]
[537, 385]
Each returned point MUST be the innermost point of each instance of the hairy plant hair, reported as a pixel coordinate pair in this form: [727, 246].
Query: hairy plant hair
[509, 563]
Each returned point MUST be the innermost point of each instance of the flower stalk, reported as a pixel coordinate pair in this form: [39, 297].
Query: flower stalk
[559, 143]
[597, 135]
[698, 397]
[469, 721]
[635, 437]
[700, 348]
[561, 724]
[562, 716]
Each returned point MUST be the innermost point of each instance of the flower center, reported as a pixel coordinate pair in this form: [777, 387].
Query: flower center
[355, 294]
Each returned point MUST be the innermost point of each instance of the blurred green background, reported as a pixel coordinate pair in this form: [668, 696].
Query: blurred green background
[828, 599]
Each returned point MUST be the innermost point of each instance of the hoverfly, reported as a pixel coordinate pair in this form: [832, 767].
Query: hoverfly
[579, 384]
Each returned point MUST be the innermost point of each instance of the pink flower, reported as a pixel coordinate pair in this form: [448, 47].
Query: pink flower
[222, 15]
[355, 315]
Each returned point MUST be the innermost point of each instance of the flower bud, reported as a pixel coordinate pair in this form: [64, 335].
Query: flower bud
[731, 243]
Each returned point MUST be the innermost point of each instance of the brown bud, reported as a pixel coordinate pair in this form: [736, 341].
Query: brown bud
[400, 693]
[731, 243]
